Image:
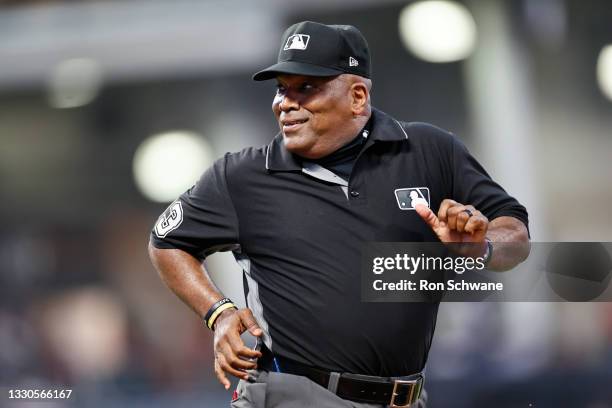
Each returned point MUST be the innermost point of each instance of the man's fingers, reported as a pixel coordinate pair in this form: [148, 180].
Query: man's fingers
[227, 367]
[451, 215]
[235, 349]
[237, 354]
[221, 375]
[248, 321]
[464, 214]
[444, 206]
[428, 216]
[477, 224]
[249, 353]
[457, 216]
[461, 219]
[239, 364]
[455, 222]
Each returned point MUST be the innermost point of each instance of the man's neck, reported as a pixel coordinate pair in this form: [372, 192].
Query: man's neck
[357, 126]
[349, 148]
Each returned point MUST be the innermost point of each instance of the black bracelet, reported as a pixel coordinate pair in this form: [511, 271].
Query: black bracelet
[216, 309]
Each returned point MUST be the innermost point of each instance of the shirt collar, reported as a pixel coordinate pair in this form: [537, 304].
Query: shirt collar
[278, 158]
[384, 128]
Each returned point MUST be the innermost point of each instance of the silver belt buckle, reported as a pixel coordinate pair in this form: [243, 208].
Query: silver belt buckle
[414, 388]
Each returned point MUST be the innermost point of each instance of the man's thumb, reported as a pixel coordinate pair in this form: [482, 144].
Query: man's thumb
[250, 323]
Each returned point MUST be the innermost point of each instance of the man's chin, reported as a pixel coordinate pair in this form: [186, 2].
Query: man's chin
[296, 145]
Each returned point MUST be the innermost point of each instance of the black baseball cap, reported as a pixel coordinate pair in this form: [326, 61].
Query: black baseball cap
[315, 49]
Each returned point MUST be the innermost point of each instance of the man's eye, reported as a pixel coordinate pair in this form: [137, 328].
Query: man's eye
[306, 87]
[280, 89]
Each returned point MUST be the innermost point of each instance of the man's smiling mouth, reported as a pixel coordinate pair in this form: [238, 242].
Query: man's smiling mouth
[291, 125]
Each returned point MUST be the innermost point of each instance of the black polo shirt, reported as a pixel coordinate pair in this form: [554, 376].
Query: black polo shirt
[297, 231]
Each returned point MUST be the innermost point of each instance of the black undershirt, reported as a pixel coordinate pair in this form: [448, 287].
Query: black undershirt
[342, 160]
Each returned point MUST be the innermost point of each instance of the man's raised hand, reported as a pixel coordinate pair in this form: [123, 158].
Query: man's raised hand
[455, 222]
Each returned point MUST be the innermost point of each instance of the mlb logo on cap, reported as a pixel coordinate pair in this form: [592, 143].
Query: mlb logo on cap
[409, 198]
[297, 42]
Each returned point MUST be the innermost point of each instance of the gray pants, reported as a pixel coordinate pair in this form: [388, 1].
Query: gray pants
[280, 390]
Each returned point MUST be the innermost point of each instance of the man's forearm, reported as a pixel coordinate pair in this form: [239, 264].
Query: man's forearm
[510, 240]
[186, 277]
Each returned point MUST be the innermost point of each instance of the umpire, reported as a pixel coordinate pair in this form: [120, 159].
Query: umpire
[296, 213]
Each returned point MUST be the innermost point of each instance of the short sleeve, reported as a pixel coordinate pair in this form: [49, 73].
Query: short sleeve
[472, 185]
[202, 220]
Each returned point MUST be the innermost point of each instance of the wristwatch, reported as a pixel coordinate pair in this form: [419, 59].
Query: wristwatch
[489, 252]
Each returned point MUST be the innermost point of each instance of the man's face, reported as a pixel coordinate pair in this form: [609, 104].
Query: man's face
[313, 113]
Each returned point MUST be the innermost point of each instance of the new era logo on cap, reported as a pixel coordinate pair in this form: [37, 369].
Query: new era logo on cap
[297, 42]
[353, 62]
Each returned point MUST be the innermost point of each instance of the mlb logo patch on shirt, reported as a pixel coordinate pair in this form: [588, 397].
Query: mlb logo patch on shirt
[409, 198]
[297, 42]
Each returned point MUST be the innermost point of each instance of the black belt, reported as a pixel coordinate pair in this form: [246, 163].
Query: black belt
[396, 392]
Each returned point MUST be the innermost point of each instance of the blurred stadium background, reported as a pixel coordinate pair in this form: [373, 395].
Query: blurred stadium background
[109, 109]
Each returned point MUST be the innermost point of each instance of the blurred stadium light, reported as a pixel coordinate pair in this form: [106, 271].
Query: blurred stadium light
[604, 71]
[74, 82]
[438, 30]
[167, 164]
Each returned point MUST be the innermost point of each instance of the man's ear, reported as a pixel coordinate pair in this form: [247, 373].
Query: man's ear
[360, 96]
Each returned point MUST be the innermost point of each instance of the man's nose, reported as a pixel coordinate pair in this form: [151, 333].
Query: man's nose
[288, 103]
